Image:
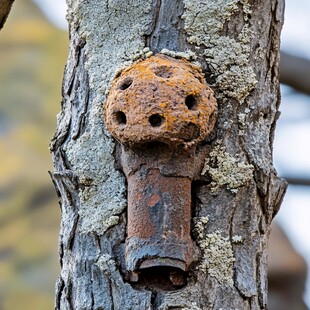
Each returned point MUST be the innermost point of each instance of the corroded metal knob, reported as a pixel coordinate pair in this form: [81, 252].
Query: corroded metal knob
[160, 99]
[159, 109]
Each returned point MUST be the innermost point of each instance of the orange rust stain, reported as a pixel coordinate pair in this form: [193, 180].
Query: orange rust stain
[153, 200]
[174, 89]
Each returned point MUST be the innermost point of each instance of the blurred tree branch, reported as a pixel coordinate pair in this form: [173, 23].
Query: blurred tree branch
[297, 181]
[295, 72]
[5, 7]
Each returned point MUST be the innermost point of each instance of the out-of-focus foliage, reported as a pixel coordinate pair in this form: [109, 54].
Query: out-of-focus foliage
[32, 57]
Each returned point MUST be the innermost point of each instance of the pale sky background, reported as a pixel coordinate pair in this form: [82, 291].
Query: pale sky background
[292, 140]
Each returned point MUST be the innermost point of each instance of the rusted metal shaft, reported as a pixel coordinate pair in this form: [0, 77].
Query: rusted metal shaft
[159, 206]
[159, 216]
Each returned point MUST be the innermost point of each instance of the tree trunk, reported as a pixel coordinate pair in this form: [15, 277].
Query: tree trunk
[233, 202]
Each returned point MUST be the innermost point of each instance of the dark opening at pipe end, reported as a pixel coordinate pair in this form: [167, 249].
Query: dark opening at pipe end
[159, 278]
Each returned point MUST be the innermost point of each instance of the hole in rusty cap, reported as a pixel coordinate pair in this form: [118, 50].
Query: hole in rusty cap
[125, 83]
[120, 117]
[191, 102]
[163, 71]
[156, 120]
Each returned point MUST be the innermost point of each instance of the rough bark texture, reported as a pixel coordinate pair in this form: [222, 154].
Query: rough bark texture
[238, 194]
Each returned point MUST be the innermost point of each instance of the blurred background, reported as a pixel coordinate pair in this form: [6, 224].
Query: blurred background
[33, 52]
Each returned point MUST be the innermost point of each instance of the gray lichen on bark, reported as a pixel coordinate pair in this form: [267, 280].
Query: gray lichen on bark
[237, 46]
[102, 194]
[227, 57]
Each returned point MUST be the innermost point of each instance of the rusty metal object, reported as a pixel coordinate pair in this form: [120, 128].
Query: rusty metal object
[159, 109]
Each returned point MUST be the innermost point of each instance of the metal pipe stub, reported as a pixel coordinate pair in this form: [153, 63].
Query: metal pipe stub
[159, 109]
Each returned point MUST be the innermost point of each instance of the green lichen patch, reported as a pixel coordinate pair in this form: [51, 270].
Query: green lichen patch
[143, 54]
[242, 120]
[242, 116]
[102, 191]
[104, 43]
[217, 253]
[106, 263]
[237, 239]
[228, 58]
[192, 306]
[225, 169]
[188, 55]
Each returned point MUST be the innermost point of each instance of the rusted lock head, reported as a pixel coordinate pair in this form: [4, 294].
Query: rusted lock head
[159, 109]
[160, 99]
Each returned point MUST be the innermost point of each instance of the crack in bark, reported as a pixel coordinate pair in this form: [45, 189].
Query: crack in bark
[51, 174]
[111, 294]
[68, 294]
[64, 129]
[65, 186]
[59, 291]
[61, 135]
[97, 243]
[230, 221]
[83, 101]
[167, 29]
[61, 252]
[153, 27]
[81, 123]
[92, 299]
[72, 231]
[66, 89]
[260, 293]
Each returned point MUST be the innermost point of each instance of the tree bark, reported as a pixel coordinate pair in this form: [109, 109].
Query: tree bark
[238, 193]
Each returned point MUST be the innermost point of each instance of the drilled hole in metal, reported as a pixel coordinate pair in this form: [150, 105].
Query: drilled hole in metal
[125, 84]
[163, 71]
[156, 120]
[191, 102]
[120, 117]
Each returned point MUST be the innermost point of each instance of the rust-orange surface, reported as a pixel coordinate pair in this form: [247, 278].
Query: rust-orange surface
[159, 206]
[160, 99]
